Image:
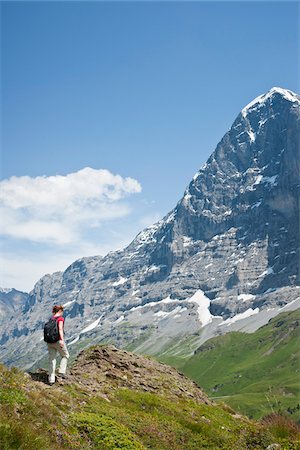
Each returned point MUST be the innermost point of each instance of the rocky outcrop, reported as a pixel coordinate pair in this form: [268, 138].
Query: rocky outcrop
[11, 302]
[230, 248]
[102, 369]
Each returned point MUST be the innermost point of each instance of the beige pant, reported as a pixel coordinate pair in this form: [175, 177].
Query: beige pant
[63, 351]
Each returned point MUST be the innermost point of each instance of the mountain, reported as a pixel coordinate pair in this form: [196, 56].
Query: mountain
[225, 258]
[255, 373]
[116, 399]
[11, 301]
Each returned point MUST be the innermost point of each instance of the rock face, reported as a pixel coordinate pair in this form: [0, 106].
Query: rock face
[11, 302]
[228, 251]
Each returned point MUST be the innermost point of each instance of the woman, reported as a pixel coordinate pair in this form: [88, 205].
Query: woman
[59, 346]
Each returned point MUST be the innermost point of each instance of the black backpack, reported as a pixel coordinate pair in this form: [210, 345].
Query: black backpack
[51, 333]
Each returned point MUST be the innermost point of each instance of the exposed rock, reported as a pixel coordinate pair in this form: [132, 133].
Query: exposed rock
[229, 250]
[11, 302]
[102, 369]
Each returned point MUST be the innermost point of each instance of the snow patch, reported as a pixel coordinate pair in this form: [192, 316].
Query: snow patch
[203, 167]
[91, 326]
[270, 180]
[73, 342]
[146, 236]
[258, 179]
[168, 300]
[68, 303]
[268, 271]
[165, 300]
[154, 268]
[269, 290]
[120, 319]
[122, 280]
[256, 205]
[261, 99]
[169, 218]
[187, 241]
[203, 303]
[251, 135]
[176, 311]
[161, 314]
[245, 297]
[249, 312]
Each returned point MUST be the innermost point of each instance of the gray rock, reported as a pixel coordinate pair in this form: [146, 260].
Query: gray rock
[233, 238]
[11, 302]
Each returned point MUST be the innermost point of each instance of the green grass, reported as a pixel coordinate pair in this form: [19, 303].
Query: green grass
[141, 339]
[104, 432]
[177, 351]
[255, 373]
[71, 416]
[158, 423]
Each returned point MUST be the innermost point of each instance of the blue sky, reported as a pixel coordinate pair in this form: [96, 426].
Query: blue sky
[141, 90]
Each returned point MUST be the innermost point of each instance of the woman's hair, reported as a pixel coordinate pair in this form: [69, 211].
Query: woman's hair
[57, 308]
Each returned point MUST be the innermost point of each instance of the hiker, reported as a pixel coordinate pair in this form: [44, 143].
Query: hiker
[54, 336]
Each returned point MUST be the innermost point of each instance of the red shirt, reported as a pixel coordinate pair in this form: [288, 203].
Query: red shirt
[59, 319]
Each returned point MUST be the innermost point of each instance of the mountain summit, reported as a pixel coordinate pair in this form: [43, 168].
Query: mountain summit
[286, 94]
[226, 257]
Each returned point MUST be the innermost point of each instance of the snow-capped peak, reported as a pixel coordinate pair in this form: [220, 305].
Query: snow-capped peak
[258, 101]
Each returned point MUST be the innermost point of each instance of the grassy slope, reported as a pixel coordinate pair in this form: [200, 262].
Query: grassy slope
[67, 416]
[254, 373]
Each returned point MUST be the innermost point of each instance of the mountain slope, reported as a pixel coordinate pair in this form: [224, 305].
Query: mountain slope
[255, 373]
[230, 248]
[11, 302]
[115, 399]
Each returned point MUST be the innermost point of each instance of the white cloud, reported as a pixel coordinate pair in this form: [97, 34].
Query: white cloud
[66, 190]
[49, 222]
[58, 209]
